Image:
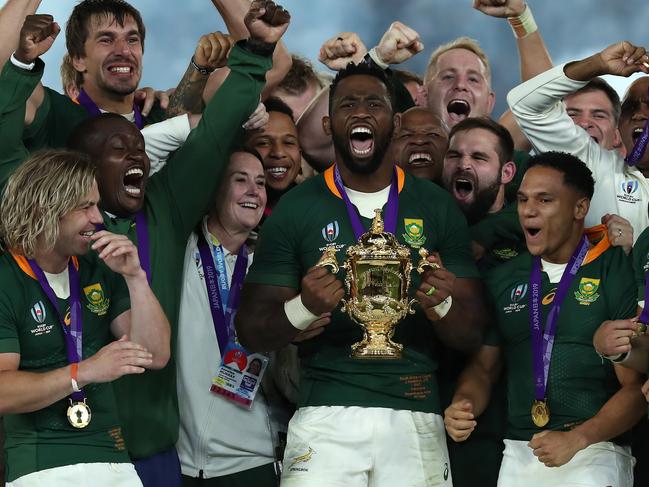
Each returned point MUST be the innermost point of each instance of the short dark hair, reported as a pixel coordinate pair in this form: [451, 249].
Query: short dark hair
[505, 147]
[88, 135]
[575, 172]
[405, 76]
[274, 104]
[76, 30]
[299, 77]
[599, 84]
[363, 68]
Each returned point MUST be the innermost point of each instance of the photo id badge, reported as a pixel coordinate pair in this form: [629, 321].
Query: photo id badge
[239, 375]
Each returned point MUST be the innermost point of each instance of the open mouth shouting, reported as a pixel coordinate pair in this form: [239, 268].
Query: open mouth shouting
[133, 182]
[458, 110]
[637, 132]
[361, 141]
[420, 159]
[463, 187]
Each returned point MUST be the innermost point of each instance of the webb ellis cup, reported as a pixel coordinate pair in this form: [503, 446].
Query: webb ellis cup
[377, 279]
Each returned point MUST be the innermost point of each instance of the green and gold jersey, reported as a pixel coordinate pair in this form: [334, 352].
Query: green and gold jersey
[501, 236]
[29, 326]
[312, 217]
[579, 382]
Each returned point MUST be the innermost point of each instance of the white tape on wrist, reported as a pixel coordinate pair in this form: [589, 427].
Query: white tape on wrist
[524, 24]
[298, 314]
[21, 65]
[379, 62]
[444, 307]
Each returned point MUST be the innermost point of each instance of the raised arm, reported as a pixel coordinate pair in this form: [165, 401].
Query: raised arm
[12, 16]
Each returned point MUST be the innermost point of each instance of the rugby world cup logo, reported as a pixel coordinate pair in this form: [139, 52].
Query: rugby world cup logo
[629, 187]
[518, 293]
[38, 312]
[330, 231]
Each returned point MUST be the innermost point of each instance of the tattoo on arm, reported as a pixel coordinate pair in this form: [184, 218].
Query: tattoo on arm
[188, 97]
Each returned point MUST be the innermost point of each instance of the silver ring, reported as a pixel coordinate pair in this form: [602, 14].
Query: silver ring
[619, 232]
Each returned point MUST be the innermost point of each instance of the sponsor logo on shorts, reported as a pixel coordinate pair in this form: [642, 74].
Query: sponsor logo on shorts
[98, 303]
[628, 190]
[330, 231]
[297, 464]
[445, 471]
[587, 292]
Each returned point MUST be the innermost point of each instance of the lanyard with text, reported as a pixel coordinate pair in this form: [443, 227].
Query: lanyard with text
[639, 147]
[391, 211]
[78, 413]
[93, 110]
[543, 339]
[218, 290]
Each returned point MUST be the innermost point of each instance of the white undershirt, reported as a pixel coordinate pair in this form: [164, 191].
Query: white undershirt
[554, 271]
[368, 202]
[60, 283]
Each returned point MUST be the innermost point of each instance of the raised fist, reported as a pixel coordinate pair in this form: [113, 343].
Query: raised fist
[623, 59]
[500, 8]
[212, 50]
[36, 37]
[266, 21]
[398, 44]
[347, 47]
[321, 291]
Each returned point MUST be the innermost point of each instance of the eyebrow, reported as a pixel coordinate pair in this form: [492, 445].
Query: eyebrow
[112, 34]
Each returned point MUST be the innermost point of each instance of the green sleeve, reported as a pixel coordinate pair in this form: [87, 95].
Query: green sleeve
[495, 227]
[190, 179]
[157, 114]
[454, 244]
[277, 260]
[640, 258]
[620, 286]
[9, 342]
[16, 86]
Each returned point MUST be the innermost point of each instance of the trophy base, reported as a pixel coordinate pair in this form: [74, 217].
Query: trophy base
[377, 347]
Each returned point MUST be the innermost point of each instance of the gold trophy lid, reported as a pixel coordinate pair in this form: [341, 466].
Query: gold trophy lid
[376, 243]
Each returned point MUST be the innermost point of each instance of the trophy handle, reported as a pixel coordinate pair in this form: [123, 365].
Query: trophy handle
[423, 262]
[328, 259]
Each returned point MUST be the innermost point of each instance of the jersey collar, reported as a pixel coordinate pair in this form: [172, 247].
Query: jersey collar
[331, 185]
[21, 260]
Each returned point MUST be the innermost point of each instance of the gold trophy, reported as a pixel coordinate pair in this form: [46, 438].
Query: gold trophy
[378, 277]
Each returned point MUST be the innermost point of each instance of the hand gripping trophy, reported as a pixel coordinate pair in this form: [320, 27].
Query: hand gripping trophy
[378, 277]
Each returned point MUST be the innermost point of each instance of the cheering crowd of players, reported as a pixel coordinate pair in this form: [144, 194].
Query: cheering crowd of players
[141, 345]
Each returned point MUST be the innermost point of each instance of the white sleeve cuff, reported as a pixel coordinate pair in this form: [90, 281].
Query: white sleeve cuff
[18, 64]
[299, 316]
[444, 307]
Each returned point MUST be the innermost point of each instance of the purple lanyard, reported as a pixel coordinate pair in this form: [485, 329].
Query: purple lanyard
[73, 335]
[543, 340]
[223, 319]
[390, 218]
[142, 231]
[639, 147]
[644, 316]
[93, 110]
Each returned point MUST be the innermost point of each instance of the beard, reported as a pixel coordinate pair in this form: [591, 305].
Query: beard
[482, 203]
[381, 145]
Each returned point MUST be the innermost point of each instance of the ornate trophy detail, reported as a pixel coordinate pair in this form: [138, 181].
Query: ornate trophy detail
[377, 280]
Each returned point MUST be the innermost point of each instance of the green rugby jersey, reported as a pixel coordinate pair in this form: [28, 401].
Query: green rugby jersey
[501, 236]
[312, 216]
[29, 326]
[579, 382]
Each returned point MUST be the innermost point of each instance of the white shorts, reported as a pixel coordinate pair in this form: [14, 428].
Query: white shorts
[365, 447]
[82, 475]
[600, 465]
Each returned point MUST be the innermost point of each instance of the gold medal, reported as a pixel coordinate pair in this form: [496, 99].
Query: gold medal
[540, 413]
[79, 414]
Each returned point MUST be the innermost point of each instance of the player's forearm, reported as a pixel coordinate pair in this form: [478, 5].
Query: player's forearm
[282, 63]
[533, 55]
[233, 12]
[25, 392]
[462, 328]
[618, 415]
[149, 325]
[585, 69]
[474, 386]
[188, 95]
[12, 16]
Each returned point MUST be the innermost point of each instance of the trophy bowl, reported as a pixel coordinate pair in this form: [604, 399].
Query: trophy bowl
[377, 279]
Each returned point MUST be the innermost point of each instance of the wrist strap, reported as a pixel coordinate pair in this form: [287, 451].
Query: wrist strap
[298, 314]
[524, 24]
[74, 370]
[21, 65]
[374, 56]
[201, 69]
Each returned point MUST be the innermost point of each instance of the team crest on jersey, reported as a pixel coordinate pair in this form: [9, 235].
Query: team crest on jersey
[414, 235]
[330, 231]
[38, 312]
[629, 189]
[505, 254]
[98, 303]
[587, 292]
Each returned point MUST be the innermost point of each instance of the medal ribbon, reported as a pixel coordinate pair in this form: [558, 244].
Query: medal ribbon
[73, 335]
[639, 147]
[93, 110]
[543, 339]
[390, 218]
[644, 316]
[218, 291]
[142, 231]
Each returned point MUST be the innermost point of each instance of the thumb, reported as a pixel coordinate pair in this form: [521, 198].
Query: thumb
[123, 338]
[467, 406]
